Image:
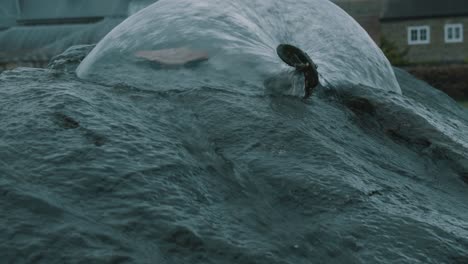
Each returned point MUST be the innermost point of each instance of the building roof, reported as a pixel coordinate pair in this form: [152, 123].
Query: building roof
[417, 9]
[33, 11]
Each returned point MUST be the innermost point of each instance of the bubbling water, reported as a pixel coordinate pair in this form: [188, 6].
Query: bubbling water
[240, 38]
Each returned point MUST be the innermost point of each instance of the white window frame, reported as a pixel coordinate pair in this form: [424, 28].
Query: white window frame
[453, 26]
[419, 29]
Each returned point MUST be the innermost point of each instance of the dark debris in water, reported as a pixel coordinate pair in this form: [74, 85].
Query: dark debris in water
[464, 177]
[398, 136]
[185, 238]
[65, 121]
[93, 137]
[360, 105]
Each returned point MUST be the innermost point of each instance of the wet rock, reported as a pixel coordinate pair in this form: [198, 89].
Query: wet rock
[69, 60]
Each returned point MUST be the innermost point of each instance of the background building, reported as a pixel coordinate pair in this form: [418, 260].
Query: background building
[32, 31]
[423, 31]
[430, 31]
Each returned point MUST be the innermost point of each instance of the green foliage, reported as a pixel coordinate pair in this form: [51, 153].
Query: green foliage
[393, 54]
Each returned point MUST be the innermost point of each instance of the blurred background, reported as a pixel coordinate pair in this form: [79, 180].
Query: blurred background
[32, 32]
[425, 37]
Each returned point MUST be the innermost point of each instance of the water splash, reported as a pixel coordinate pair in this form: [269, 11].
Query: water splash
[240, 37]
[210, 176]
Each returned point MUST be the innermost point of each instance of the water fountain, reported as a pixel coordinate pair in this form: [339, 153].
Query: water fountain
[137, 162]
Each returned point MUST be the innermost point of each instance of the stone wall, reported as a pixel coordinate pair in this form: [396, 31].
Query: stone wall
[30, 64]
[451, 79]
[437, 50]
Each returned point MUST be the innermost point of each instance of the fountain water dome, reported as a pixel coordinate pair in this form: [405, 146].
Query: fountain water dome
[240, 37]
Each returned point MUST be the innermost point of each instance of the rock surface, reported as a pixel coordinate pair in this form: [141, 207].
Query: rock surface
[116, 174]
[69, 60]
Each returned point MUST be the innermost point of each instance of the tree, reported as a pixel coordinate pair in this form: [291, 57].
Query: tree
[393, 54]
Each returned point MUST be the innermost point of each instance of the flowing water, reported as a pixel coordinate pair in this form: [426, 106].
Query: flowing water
[241, 37]
[216, 163]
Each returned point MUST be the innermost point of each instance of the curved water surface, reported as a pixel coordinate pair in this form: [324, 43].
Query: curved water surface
[240, 37]
[138, 164]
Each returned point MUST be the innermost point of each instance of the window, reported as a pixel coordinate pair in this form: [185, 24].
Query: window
[419, 35]
[453, 33]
